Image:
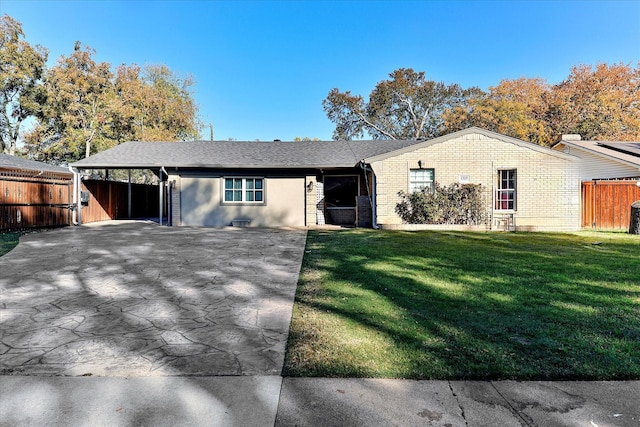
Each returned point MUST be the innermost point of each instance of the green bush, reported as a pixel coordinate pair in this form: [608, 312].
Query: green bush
[453, 204]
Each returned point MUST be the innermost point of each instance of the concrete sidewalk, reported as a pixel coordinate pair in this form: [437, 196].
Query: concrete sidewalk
[271, 400]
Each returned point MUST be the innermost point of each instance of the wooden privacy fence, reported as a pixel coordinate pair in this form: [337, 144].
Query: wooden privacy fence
[109, 200]
[607, 204]
[29, 200]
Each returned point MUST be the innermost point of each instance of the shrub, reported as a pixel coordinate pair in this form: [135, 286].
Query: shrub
[453, 204]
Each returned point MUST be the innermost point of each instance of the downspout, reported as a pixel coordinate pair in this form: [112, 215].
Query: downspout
[372, 197]
[75, 196]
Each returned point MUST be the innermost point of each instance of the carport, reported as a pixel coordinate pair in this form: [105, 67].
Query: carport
[109, 199]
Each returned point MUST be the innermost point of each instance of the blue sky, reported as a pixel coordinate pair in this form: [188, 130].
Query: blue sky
[262, 68]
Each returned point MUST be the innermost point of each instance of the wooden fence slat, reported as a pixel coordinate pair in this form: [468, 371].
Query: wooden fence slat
[28, 201]
[606, 204]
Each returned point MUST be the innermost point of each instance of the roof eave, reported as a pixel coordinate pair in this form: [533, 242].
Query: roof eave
[471, 130]
[600, 153]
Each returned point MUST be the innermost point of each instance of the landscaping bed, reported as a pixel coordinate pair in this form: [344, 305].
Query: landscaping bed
[465, 305]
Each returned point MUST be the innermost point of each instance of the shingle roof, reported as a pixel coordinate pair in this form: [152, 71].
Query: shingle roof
[229, 154]
[13, 163]
[277, 154]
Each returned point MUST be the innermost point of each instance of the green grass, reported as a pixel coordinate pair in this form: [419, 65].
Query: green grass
[456, 305]
[8, 241]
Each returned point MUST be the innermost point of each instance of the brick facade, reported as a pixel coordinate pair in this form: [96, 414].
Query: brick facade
[548, 184]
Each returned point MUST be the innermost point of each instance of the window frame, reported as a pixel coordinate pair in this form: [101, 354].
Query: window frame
[243, 190]
[413, 183]
[506, 195]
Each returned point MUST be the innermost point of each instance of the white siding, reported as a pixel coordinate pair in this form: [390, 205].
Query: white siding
[593, 166]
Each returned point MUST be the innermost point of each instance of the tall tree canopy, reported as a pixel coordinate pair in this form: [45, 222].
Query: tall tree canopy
[599, 103]
[156, 104]
[407, 106]
[517, 108]
[88, 108]
[21, 70]
[75, 118]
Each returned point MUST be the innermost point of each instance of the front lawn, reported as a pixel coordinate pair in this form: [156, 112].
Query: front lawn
[8, 241]
[457, 305]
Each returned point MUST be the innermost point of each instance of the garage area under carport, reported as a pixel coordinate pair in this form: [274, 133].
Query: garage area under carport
[117, 195]
[104, 200]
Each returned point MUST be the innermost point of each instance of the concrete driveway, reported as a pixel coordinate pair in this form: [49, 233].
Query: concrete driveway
[137, 299]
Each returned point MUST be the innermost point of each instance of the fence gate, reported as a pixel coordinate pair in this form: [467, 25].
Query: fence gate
[28, 201]
[607, 204]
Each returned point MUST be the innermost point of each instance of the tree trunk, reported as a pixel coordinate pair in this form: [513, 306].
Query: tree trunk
[634, 226]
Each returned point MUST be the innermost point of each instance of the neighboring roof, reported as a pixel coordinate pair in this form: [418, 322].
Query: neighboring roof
[239, 154]
[468, 131]
[18, 163]
[632, 148]
[625, 152]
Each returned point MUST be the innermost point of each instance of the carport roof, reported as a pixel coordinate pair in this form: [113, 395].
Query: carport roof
[18, 163]
[239, 154]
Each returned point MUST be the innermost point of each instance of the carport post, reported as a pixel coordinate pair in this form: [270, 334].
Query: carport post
[160, 189]
[129, 196]
[160, 198]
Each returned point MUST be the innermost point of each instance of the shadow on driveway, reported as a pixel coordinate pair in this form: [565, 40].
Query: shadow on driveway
[137, 299]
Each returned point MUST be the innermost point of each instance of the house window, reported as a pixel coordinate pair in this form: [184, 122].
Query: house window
[506, 192]
[243, 190]
[420, 179]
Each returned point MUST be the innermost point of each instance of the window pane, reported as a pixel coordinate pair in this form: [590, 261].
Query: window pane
[259, 184]
[420, 179]
[249, 184]
[249, 196]
[237, 183]
[228, 183]
[506, 192]
[228, 196]
[237, 195]
[258, 196]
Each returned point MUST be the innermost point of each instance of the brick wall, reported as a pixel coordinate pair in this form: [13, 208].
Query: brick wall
[548, 186]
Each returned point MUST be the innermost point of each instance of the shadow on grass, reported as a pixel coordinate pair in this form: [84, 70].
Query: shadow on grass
[455, 305]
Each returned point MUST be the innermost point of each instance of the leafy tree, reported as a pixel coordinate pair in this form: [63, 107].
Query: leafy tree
[597, 103]
[89, 109]
[156, 104]
[76, 118]
[21, 70]
[305, 138]
[407, 106]
[601, 103]
[517, 108]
